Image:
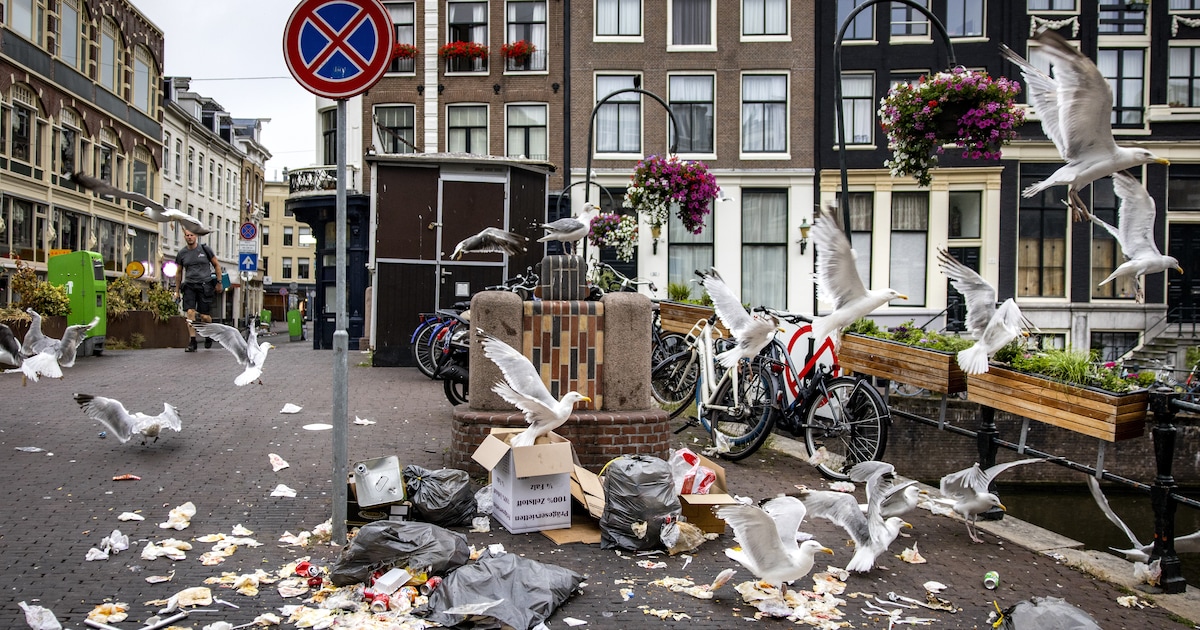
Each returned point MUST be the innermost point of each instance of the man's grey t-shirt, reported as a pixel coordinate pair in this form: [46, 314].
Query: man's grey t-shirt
[195, 265]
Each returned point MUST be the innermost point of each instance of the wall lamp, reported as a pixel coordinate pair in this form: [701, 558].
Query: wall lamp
[420, 89]
[495, 88]
[555, 86]
[804, 228]
[441, 88]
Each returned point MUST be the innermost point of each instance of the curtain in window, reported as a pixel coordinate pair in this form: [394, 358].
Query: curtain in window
[764, 17]
[858, 105]
[687, 252]
[617, 124]
[764, 217]
[395, 117]
[473, 13]
[764, 275]
[690, 21]
[691, 101]
[764, 123]
[910, 225]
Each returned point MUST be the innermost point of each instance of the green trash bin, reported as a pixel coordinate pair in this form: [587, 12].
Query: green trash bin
[295, 325]
[82, 273]
[264, 319]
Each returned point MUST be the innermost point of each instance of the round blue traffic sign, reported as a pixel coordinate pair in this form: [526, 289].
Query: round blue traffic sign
[338, 48]
[248, 231]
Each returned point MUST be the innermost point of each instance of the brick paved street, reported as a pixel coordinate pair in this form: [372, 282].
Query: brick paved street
[61, 502]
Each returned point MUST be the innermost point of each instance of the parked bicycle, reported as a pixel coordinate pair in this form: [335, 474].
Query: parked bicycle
[453, 363]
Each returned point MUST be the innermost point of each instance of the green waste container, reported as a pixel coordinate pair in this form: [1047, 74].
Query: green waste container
[264, 318]
[82, 273]
[295, 325]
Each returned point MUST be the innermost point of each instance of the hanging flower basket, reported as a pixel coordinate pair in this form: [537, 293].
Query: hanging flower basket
[518, 50]
[463, 50]
[615, 230]
[405, 51]
[659, 182]
[962, 106]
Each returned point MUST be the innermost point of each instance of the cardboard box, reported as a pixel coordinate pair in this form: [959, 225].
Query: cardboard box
[587, 490]
[697, 509]
[531, 485]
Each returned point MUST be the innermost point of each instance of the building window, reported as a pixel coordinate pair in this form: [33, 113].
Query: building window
[178, 159]
[266, 266]
[764, 247]
[1041, 238]
[22, 18]
[229, 185]
[200, 174]
[1183, 187]
[909, 22]
[864, 22]
[212, 165]
[68, 33]
[687, 252]
[397, 128]
[527, 21]
[964, 18]
[104, 163]
[1122, 19]
[144, 81]
[220, 187]
[1106, 252]
[467, 23]
[287, 268]
[527, 132]
[141, 175]
[108, 56]
[287, 236]
[691, 99]
[691, 22]
[619, 121]
[764, 17]
[404, 25]
[67, 139]
[1184, 5]
[266, 235]
[1051, 5]
[466, 129]
[166, 169]
[862, 222]
[966, 208]
[764, 113]
[909, 245]
[858, 106]
[329, 136]
[1183, 77]
[23, 120]
[618, 18]
[191, 167]
[1125, 70]
[1112, 346]
[303, 264]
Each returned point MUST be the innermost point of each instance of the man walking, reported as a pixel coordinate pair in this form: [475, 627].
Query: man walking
[198, 278]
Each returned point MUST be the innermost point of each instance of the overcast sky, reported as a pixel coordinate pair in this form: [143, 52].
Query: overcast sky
[233, 51]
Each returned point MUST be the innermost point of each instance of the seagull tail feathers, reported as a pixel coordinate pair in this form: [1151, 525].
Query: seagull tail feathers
[821, 329]
[1037, 188]
[524, 438]
[973, 360]
[862, 561]
[250, 375]
[729, 358]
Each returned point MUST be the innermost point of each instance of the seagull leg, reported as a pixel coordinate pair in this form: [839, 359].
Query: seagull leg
[971, 531]
[1139, 291]
[1080, 208]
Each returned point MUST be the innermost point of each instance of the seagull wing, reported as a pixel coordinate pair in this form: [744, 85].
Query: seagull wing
[228, 337]
[191, 223]
[1136, 220]
[979, 293]
[756, 532]
[994, 471]
[837, 276]
[10, 349]
[35, 341]
[491, 240]
[522, 378]
[727, 305]
[1102, 501]
[841, 509]
[788, 513]
[1085, 100]
[863, 471]
[1042, 92]
[1004, 326]
[109, 412]
[101, 187]
[169, 418]
[964, 483]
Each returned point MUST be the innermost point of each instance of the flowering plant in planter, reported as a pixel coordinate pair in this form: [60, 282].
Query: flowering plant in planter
[519, 49]
[1073, 367]
[462, 50]
[615, 230]
[405, 51]
[659, 182]
[961, 106]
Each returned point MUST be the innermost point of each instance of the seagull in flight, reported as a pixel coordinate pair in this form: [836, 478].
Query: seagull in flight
[767, 536]
[46, 356]
[871, 532]
[1135, 234]
[968, 489]
[154, 211]
[1076, 107]
[838, 281]
[898, 498]
[122, 424]
[570, 229]
[1139, 552]
[490, 240]
[525, 390]
[993, 327]
[249, 353]
[752, 332]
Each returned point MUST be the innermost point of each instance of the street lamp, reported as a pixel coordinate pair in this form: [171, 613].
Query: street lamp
[804, 228]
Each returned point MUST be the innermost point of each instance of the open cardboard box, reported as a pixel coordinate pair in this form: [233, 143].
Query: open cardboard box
[530, 484]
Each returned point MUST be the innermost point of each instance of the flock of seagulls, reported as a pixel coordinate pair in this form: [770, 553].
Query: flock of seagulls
[38, 354]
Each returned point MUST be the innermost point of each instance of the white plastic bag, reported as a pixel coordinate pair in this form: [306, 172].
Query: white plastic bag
[689, 476]
[40, 618]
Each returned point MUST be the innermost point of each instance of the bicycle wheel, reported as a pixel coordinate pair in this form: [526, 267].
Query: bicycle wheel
[850, 423]
[667, 345]
[673, 383]
[904, 389]
[456, 391]
[745, 427]
[422, 350]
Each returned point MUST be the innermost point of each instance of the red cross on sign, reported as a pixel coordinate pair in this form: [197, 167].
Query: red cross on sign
[338, 48]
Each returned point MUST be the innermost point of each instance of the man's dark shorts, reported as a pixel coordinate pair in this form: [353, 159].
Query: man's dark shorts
[198, 297]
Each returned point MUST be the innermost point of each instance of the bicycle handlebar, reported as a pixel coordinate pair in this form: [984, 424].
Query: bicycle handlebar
[795, 318]
[626, 281]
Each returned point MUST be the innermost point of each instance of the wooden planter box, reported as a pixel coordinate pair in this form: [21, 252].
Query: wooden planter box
[679, 318]
[1094, 412]
[172, 333]
[52, 326]
[934, 370]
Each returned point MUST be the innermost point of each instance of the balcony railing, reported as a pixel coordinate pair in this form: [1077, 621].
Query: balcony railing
[535, 62]
[321, 180]
[466, 64]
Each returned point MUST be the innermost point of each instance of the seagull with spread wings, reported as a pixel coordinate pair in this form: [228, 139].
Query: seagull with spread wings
[838, 281]
[871, 532]
[46, 356]
[155, 211]
[1076, 110]
[1135, 234]
[968, 489]
[993, 327]
[1140, 552]
[122, 424]
[752, 332]
[490, 240]
[767, 536]
[570, 229]
[899, 498]
[249, 353]
[525, 390]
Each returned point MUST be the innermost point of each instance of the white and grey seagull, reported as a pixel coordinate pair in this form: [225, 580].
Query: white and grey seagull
[1135, 234]
[752, 331]
[570, 229]
[992, 327]
[10, 348]
[838, 280]
[153, 210]
[1140, 552]
[124, 425]
[767, 537]
[490, 240]
[46, 356]
[1076, 110]
[968, 490]
[525, 390]
[871, 532]
[249, 353]
[897, 499]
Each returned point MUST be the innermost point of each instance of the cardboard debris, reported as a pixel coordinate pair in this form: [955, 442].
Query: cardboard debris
[531, 488]
[697, 509]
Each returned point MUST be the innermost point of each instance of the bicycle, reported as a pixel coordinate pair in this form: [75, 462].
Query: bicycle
[606, 279]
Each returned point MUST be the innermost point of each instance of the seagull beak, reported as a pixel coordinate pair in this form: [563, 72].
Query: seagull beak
[906, 524]
[1164, 161]
[1001, 506]
[902, 296]
[1024, 333]
[826, 550]
[1178, 268]
[586, 399]
[272, 346]
[780, 329]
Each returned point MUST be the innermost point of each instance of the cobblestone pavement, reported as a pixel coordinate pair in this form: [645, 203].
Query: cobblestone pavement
[63, 501]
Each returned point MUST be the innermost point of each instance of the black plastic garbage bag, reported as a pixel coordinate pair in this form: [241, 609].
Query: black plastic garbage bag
[384, 544]
[526, 592]
[442, 497]
[1046, 613]
[639, 504]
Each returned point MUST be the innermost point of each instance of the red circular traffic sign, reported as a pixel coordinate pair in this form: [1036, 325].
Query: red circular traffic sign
[338, 48]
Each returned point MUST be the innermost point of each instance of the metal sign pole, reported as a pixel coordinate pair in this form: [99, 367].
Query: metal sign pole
[341, 344]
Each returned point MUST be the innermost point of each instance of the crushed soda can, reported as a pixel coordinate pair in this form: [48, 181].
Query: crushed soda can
[316, 581]
[380, 602]
[430, 584]
[307, 569]
[991, 579]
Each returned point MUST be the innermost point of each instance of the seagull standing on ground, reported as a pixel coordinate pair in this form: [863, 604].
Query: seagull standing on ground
[524, 390]
[249, 353]
[767, 537]
[1076, 111]
[570, 229]
[123, 425]
[1135, 234]
[992, 327]
[871, 532]
[154, 211]
[490, 240]
[968, 489]
[838, 281]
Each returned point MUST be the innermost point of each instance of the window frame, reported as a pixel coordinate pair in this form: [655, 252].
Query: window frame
[672, 9]
[110, 36]
[1190, 80]
[470, 132]
[689, 115]
[389, 141]
[328, 120]
[402, 33]
[74, 60]
[862, 21]
[1043, 211]
[601, 5]
[1120, 85]
[913, 27]
[752, 154]
[847, 108]
[476, 32]
[901, 255]
[964, 4]
[1103, 203]
[509, 128]
[764, 36]
[627, 105]
[144, 90]
[1051, 6]
[778, 245]
[538, 61]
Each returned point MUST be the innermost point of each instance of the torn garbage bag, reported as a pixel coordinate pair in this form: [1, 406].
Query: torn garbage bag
[1046, 613]
[442, 497]
[514, 591]
[641, 509]
[381, 545]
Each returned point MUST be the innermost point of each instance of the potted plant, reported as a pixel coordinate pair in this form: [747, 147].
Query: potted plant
[519, 50]
[661, 184]
[405, 51]
[962, 106]
[463, 50]
[617, 231]
[905, 354]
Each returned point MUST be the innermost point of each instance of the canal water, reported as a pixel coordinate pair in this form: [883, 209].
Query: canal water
[1071, 512]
